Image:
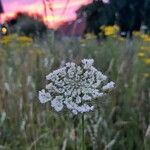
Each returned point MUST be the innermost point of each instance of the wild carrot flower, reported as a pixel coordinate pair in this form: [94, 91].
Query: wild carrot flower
[75, 87]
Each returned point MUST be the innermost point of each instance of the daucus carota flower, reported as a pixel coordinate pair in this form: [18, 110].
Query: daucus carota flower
[75, 87]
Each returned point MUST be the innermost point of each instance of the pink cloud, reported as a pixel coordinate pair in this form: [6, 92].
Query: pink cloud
[36, 6]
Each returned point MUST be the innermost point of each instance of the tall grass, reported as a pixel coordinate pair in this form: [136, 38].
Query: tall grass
[120, 122]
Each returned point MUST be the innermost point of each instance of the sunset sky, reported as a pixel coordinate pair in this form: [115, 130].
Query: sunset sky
[61, 10]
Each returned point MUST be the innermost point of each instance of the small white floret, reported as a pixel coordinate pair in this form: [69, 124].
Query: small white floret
[44, 97]
[108, 86]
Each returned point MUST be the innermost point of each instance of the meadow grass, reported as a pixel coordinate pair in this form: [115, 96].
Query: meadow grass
[119, 123]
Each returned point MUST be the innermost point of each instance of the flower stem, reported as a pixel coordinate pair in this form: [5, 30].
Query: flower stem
[83, 139]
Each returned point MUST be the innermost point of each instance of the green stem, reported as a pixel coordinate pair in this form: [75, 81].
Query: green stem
[75, 128]
[83, 139]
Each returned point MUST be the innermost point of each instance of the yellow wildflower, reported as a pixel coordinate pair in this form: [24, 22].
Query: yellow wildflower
[136, 33]
[109, 30]
[141, 54]
[5, 40]
[144, 48]
[90, 36]
[37, 52]
[147, 60]
[24, 39]
[145, 37]
[146, 75]
[121, 39]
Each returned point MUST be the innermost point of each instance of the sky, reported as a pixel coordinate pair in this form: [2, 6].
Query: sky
[60, 10]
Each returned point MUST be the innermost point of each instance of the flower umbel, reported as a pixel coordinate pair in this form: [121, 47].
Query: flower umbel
[75, 87]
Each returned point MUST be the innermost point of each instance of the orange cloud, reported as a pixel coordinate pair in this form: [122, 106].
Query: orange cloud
[55, 21]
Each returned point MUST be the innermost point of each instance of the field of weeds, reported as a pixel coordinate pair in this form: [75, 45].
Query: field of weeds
[121, 121]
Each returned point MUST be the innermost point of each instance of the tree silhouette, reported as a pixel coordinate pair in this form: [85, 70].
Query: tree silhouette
[147, 14]
[97, 14]
[1, 7]
[128, 14]
[27, 25]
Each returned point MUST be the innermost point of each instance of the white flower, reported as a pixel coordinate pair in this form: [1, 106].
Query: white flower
[86, 97]
[108, 86]
[78, 100]
[57, 103]
[44, 97]
[87, 63]
[75, 87]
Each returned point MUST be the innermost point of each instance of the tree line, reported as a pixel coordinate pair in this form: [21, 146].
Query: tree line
[129, 15]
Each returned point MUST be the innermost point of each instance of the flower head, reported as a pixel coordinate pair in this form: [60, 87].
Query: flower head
[75, 87]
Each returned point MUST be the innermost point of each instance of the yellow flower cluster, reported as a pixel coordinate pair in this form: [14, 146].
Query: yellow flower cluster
[6, 40]
[137, 33]
[37, 52]
[109, 30]
[141, 54]
[144, 55]
[146, 75]
[24, 39]
[89, 36]
[144, 37]
[144, 48]
[146, 61]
